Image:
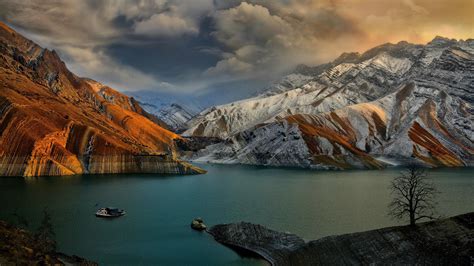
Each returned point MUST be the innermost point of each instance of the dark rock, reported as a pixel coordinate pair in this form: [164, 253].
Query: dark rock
[442, 242]
[273, 246]
[198, 224]
[21, 247]
[195, 144]
[74, 260]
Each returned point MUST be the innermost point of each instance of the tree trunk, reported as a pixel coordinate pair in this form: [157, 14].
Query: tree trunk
[412, 218]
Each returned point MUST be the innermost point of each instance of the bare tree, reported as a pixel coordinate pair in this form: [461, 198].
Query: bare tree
[45, 233]
[414, 195]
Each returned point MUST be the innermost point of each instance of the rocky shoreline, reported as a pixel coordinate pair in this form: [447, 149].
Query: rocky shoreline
[19, 247]
[272, 245]
[442, 242]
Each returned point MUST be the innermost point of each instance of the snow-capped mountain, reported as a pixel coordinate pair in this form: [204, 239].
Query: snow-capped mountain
[173, 114]
[389, 105]
[174, 111]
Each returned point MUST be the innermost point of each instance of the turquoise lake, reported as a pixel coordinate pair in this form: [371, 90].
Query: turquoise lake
[156, 230]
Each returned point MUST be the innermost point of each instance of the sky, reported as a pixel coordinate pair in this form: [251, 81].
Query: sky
[222, 48]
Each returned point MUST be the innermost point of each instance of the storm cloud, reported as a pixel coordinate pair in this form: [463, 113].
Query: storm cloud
[196, 46]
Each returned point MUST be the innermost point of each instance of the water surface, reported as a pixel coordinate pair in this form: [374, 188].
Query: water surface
[156, 230]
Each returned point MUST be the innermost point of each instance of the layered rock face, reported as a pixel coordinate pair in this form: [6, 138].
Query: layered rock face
[55, 123]
[395, 104]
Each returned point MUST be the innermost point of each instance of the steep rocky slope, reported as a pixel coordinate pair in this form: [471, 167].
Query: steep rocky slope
[124, 101]
[349, 81]
[394, 104]
[173, 114]
[174, 110]
[441, 242]
[55, 123]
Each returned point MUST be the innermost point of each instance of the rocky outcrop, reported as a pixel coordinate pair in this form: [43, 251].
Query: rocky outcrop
[55, 123]
[20, 247]
[395, 104]
[273, 246]
[198, 224]
[442, 242]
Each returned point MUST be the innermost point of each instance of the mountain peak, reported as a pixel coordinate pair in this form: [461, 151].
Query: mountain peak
[347, 58]
[440, 40]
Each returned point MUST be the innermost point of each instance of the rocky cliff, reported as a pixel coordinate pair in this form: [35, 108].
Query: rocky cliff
[55, 123]
[442, 242]
[394, 104]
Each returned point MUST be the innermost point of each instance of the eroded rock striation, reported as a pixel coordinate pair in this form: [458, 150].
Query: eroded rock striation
[442, 242]
[55, 123]
[392, 105]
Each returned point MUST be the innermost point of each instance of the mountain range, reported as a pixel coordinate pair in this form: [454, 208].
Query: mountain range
[394, 104]
[53, 122]
[175, 111]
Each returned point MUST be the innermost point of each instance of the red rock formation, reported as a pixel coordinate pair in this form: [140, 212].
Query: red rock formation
[338, 130]
[343, 129]
[55, 123]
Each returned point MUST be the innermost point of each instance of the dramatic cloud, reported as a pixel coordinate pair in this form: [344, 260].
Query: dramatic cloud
[165, 25]
[411, 20]
[105, 69]
[82, 32]
[259, 36]
[175, 19]
[202, 44]
[258, 40]
[253, 36]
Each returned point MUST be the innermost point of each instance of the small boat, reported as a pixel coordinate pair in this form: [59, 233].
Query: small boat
[109, 212]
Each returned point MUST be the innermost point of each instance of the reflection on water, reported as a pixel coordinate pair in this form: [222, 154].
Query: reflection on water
[159, 209]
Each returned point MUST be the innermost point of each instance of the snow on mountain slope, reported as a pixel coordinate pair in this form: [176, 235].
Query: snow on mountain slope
[372, 75]
[398, 66]
[173, 114]
[358, 135]
[174, 111]
[289, 82]
[387, 107]
[339, 86]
